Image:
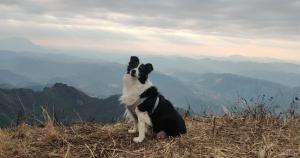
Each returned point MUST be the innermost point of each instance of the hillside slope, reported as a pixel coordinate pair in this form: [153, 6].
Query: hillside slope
[206, 137]
[65, 103]
[14, 80]
[225, 89]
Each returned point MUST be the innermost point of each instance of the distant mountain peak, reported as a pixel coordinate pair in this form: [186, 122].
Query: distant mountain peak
[57, 85]
[19, 44]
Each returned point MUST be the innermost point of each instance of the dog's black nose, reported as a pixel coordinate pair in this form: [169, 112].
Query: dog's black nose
[133, 72]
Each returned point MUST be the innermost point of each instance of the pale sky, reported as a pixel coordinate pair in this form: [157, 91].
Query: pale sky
[256, 28]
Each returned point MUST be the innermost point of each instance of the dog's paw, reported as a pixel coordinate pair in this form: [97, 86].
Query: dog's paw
[149, 133]
[138, 139]
[131, 131]
[161, 135]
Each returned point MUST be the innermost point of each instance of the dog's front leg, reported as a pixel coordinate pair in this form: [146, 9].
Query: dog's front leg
[135, 127]
[143, 121]
[142, 132]
[130, 112]
[133, 118]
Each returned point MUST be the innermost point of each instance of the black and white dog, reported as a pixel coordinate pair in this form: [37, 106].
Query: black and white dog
[146, 106]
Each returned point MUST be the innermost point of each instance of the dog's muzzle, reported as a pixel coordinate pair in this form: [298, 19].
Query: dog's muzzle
[133, 73]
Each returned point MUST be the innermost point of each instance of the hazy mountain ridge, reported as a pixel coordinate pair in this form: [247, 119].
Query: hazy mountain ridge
[277, 71]
[188, 81]
[14, 80]
[225, 89]
[20, 44]
[96, 79]
[271, 71]
[104, 79]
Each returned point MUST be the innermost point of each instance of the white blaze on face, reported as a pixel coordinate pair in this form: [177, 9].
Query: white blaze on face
[137, 72]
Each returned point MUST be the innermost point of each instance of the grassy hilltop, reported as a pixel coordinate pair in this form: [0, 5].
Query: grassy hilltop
[208, 136]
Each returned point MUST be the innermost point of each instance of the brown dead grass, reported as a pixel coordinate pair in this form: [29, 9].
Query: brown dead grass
[10, 146]
[207, 137]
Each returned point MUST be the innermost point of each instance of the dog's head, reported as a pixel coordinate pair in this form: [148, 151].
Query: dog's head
[139, 71]
[133, 63]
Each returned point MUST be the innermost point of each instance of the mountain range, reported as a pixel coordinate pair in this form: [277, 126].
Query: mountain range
[205, 84]
[99, 79]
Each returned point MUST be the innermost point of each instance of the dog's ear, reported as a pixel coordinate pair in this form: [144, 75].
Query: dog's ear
[133, 63]
[134, 59]
[144, 72]
[149, 67]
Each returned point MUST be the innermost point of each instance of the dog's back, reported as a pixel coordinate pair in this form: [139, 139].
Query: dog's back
[166, 118]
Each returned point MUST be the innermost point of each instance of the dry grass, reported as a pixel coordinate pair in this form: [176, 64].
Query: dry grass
[207, 137]
[10, 145]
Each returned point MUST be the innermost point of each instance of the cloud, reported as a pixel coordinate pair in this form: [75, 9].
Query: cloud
[253, 18]
[197, 23]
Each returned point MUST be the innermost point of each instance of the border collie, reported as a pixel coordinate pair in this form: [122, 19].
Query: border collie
[146, 107]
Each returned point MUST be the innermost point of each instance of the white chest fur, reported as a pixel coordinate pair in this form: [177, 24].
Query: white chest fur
[132, 88]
